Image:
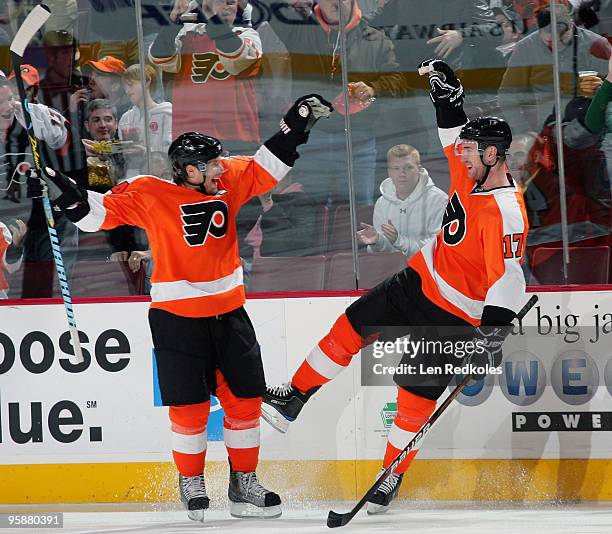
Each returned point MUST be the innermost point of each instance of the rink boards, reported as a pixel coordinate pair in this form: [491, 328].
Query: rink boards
[96, 432]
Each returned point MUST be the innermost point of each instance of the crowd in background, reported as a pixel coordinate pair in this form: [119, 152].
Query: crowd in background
[113, 103]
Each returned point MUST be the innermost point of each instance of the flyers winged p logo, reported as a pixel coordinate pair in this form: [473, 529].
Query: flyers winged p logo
[202, 219]
[453, 222]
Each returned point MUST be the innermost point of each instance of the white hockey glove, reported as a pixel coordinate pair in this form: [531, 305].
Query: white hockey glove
[446, 93]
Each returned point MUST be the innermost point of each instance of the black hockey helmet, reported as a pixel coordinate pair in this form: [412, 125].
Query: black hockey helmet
[192, 148]
[488, 131]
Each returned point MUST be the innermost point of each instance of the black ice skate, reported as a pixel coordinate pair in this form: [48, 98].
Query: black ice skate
[282, 404]
[193, 496]
[248, 498]
[385, 494]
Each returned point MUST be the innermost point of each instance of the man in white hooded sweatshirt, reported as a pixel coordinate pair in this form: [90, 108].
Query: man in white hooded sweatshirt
[411, 207]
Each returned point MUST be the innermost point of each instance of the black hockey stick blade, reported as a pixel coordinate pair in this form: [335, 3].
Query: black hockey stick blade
[335, 519]
[32, 23]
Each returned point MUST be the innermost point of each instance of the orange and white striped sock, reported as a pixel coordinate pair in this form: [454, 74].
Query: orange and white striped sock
[189, 437]
[412, 413]
[329, 357]
[240, 427]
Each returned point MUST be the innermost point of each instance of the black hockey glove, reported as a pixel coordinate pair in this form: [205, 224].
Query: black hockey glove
[446, 93]
[36, 187]
[295, 126]
[221, 32]
[488, 341]
[73, 199]
[304, 113]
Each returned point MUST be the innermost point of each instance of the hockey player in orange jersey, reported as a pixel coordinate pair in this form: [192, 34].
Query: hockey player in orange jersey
[466, 284]
[204, 340]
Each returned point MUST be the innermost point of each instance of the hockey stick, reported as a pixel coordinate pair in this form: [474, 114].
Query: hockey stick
[339, 520]
[34, 22]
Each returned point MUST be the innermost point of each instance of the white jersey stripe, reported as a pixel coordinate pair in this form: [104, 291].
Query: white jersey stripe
[184, 289]
[97, 213]
[448, 136]
[271, 163]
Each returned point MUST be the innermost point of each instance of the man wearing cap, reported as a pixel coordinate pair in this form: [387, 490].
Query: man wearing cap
[526, 93]
[62, 75]
[105, 82]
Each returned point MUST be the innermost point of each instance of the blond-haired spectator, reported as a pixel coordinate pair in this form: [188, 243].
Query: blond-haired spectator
[132, 122]
[410, 209]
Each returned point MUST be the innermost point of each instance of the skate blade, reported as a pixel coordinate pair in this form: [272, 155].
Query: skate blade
[376, 509]
[274, 418]
[196, 515]
[244, 509]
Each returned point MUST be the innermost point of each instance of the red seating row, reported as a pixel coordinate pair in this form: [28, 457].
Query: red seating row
[315, 273]
[587, 265]
[89, 279]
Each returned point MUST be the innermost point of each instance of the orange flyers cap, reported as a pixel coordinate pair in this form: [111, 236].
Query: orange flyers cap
[544, 4]
[29, 75]
[108, 64]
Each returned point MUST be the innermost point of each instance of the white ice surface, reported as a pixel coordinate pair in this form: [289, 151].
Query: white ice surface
[405, 517]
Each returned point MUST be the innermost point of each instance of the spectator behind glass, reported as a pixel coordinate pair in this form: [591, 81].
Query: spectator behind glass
[587, 184]
[105, 81]
[411, 207]
[131, 123]
[105, 161]
[215, 64]
[106, 168]
[17, 144]
[62, 79]
[62, 76]
[517, 158]
[50, 127]
[599, 116]
[526, 93]
[512, 28]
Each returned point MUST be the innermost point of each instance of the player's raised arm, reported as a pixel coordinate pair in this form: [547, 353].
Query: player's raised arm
[446, 93]
[278, 154]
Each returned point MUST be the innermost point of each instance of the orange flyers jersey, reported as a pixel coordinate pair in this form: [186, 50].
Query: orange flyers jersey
[192, 236]
[474, 261]
[212, 88]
